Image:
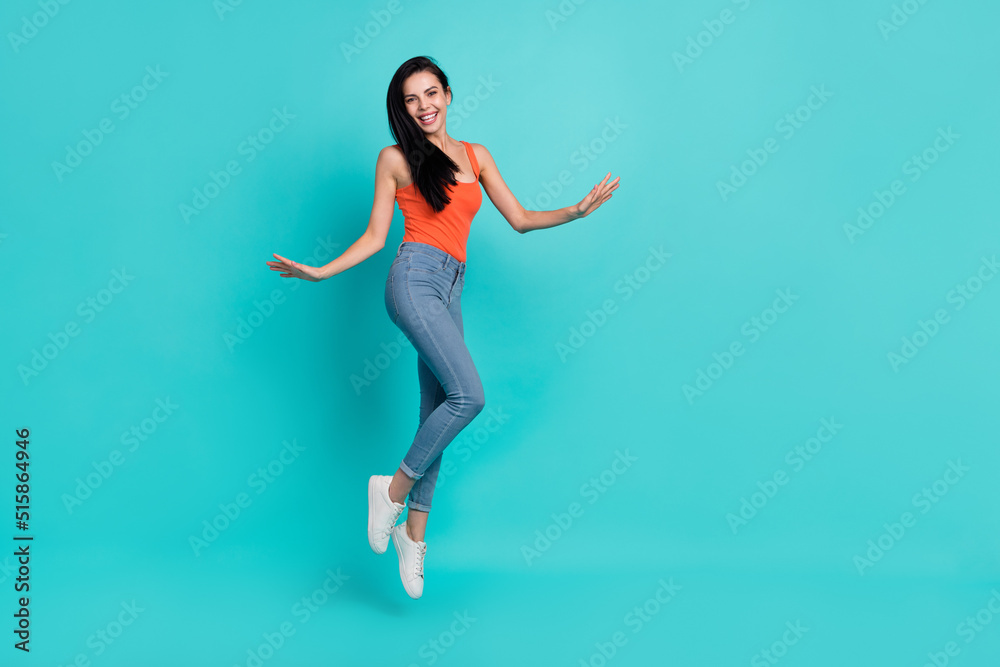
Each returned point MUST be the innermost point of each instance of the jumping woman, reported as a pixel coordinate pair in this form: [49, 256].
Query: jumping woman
[435, 180]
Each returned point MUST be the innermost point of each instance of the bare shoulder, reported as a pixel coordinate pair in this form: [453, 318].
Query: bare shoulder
[392, 161]
[483, 156]
[478, 149]
[392, 156]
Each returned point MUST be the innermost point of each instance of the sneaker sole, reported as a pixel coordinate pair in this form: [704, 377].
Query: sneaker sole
[402, 574]
[371, 504]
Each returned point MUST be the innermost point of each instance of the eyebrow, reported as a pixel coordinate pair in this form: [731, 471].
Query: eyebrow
[411, 94]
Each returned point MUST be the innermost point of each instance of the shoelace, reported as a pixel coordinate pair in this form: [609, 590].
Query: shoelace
[396, 511]
[418, 566]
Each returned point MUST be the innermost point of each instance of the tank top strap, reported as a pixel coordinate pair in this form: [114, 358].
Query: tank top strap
[472, 158]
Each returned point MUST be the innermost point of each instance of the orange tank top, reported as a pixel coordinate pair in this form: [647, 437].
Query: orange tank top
[449, 229]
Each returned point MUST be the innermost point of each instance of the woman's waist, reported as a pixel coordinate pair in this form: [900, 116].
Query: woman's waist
[431, 250]
[437, 242]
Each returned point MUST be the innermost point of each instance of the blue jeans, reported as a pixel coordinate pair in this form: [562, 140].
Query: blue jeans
[423, 298]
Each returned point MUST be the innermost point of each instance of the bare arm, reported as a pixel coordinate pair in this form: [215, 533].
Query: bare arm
[373, 238]
[525, 221]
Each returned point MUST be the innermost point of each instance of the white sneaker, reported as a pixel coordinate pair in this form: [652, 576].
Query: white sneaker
[382, 512]
[411, 561]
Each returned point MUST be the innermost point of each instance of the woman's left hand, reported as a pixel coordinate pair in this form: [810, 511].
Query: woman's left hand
[597, 196]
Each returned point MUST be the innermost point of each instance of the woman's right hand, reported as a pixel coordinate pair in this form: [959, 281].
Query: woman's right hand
[597, 196]
[292, 269]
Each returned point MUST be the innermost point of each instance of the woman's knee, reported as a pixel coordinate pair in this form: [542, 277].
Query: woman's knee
[474, 400]
[468, 400]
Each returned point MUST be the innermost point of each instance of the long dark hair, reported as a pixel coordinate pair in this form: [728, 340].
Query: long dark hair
[430, 167]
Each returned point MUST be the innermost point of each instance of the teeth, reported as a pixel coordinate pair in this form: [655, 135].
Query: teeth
[428, 116]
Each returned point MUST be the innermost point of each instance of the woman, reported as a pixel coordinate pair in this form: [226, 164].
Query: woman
[435, 180]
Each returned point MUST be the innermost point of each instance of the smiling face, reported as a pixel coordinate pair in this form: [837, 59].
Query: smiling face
[425, 101]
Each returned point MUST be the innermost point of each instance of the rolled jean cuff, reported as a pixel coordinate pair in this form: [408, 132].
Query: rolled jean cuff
[420, 507]
[408, 471]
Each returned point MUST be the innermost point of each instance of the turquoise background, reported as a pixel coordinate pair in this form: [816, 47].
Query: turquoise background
[555, 84]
